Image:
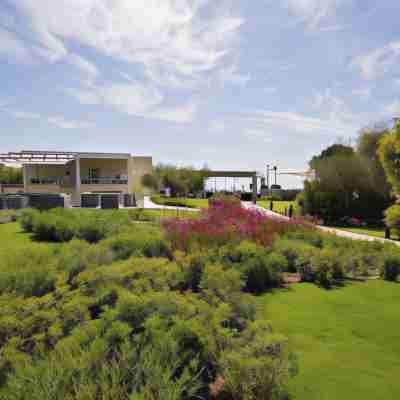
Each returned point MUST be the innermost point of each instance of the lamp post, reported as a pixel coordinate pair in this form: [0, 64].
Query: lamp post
[268, 177]
[275, 169]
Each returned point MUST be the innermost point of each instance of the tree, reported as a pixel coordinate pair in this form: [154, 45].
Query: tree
[180, 180]
[389, 155]
[343, 187]
[367, 148]
[10, 175]
[151, 181]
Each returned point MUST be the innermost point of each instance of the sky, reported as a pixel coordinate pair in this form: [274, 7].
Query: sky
[230, 84]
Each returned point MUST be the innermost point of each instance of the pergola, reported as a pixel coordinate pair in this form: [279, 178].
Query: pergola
[38, 157]
[236, 174]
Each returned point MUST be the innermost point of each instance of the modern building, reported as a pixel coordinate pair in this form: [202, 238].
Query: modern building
[75, 173]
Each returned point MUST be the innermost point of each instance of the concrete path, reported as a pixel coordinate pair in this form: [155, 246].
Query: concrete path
[334, 231]
[148, 204]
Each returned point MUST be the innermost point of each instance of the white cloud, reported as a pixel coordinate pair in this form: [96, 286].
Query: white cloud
[169, 38]
[378, 62]
[268, 120]
[83, 64]
[315, 14]
[12, 46]
[58, 121]
[392, 109]
[63, 123]
[135, 98]
[258, 135]
[233, 76]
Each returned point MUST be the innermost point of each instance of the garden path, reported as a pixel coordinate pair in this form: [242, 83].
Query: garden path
[335, 231]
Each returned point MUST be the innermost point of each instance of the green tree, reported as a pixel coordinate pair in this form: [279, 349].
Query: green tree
[343, 186]
[367, 148]
[10, 175]
[389, 155]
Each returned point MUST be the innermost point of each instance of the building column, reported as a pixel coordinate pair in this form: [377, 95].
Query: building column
[25, 177]
[77, 181]
[255, 189]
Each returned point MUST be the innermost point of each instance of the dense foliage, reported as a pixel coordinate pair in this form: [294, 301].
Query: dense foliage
[10, 175]
[62, 225]
[145, 315]
[349, 182]
[389, 154]
[180, 180]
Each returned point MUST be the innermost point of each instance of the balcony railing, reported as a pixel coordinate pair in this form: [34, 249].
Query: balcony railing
[104, 181]
[46, 181]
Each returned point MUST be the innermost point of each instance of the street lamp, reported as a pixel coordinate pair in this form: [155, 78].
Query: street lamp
[275, 169]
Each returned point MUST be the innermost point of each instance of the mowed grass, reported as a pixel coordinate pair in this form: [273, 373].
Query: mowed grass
[346, 339]
[180, 202]
[279, 206]
[12, 237]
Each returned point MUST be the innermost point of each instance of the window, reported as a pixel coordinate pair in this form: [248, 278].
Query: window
[93, 173]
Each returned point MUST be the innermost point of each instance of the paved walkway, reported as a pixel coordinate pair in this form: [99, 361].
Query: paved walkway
[334, 231]
[148, 204]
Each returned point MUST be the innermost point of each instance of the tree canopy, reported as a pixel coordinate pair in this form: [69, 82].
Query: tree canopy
[10, 175]
[389, 155]
[180, 180]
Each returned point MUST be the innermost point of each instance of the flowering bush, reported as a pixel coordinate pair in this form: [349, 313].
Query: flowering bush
[226, 221]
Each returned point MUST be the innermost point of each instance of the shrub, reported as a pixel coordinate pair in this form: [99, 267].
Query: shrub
[263, 272]
[27, 219]
[28, 273]
[291, 250]
[61, 225]
[139, 241]
[225, 221]
[392, 218]
[327, 267]
[78, 255]
[390, 269]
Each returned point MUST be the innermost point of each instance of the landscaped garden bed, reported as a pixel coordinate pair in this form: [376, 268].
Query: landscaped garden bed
[98, 306]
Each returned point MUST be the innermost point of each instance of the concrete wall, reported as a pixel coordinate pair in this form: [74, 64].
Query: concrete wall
[138, 167]
[11, 189]
[43, 189]
[102, 188]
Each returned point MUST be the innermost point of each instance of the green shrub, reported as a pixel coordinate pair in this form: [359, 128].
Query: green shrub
[327, 268]
[139, 241]
[78, 255]
[390, 269]
[392, 218]
[263, 272]
[292, 250]
[61, 225]
[27, 219]
[28, 273]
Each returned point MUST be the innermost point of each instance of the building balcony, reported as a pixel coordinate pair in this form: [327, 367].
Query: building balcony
[104, 181]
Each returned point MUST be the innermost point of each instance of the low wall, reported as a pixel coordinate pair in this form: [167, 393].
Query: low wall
[11, 189]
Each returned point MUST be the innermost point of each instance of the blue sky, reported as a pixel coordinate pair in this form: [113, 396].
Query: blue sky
[233, 84]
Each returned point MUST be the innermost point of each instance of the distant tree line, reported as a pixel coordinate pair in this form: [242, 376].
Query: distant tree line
[10, 175]
[181, 181]
[353, 181]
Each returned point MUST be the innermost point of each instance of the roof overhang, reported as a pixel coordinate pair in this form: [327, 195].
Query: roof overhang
[54, 157]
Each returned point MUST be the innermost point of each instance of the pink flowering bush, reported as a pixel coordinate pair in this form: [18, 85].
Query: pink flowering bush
[226, 221]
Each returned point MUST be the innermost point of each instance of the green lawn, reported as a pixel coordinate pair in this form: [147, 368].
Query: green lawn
[180, 202]
[346, 340]
[12, 237]
[279, 206]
